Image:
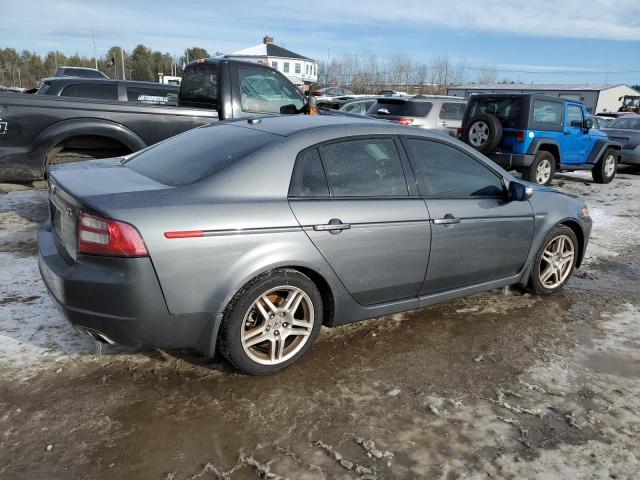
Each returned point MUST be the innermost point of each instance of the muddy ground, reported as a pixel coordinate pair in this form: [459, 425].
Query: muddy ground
[498, 385]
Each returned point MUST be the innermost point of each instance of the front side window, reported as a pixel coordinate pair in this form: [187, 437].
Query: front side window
[546, 112]
[368, 167]
[451, 111]
[443, 171]
[263, 91]
[90, 90]
[574, 116]
[308, 178]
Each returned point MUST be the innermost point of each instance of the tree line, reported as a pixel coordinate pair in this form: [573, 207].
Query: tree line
[25, 68]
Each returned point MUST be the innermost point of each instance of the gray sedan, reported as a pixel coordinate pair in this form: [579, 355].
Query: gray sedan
[249, 235]
[626, 131]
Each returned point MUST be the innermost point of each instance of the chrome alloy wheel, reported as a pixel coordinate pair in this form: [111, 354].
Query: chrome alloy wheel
[543, 171]
[556, 262]
[609, 165]
[479, 133]
[277, 325]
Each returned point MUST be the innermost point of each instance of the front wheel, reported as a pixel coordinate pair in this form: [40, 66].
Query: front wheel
[271, 322]
[542, 169]
[606, 168]
[555, 261]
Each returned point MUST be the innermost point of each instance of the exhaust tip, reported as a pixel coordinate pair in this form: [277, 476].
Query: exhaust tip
[96, 335]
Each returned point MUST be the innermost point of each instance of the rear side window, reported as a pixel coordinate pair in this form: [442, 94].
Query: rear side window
[88, 90]
[547, 113]
[308, 178]
[153, 96]
[200, 84]
[443, 171]
[368, 167]
[451, 111]
[401, 108]
[263, 91]
[198, 153]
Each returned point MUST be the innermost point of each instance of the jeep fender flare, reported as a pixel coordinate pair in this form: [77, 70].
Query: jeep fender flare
[599, 149]
[66, 129]
[537, 143]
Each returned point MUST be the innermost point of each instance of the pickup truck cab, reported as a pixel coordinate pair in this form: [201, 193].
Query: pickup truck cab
[40, 130]
[538, 135]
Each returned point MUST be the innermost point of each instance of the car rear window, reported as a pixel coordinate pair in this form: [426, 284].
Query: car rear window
[507, 109]
[400, 108]
[200, 84]
[198, 153]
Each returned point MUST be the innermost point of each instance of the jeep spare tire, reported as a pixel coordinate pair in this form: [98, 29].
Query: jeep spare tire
[483, 133]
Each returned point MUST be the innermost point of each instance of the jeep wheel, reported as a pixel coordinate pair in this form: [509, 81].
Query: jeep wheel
[541, 170]
[483, 133]
[606, 168]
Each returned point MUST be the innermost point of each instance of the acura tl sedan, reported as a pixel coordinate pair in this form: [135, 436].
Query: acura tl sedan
[248, 236]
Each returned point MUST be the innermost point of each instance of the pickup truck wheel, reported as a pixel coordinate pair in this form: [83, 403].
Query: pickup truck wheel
[541, 170]
[555, 261]
[484, 132]
[271, 322]
[606, 168]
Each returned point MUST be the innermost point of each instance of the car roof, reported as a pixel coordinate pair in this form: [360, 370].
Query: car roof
[289, 125]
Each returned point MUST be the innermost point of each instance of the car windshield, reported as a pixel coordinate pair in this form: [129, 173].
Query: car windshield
[399, 108]
[626, 123]
[197, 153]
[507, 109]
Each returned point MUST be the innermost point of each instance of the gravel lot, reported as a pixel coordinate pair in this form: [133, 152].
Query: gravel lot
[498, 385]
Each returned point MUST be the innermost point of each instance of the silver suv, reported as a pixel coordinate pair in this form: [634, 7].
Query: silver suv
[424, 111]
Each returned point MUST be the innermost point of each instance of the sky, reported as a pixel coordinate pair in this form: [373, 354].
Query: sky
[577, 41]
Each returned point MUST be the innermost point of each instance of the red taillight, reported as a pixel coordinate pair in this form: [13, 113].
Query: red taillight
[460, 133]
[519, 134]
[404, 121]
[111, 238]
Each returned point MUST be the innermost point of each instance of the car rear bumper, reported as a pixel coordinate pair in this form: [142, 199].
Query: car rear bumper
[118, 300]
[630, 157]
[512, 160]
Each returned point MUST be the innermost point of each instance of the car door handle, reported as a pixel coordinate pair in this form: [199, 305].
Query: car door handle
[334, 226]
[447, 220]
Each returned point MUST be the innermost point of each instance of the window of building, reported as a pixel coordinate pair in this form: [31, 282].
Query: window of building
[285, 67]
[298, 68]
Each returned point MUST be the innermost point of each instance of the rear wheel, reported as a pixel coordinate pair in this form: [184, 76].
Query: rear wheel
[542, 169]
[555, 261]
[606, 168]
[271, 322]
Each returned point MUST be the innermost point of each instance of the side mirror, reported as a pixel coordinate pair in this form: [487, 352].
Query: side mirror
[518, 192]
[588, 124]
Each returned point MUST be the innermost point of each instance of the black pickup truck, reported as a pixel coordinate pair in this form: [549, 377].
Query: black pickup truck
[39, 130]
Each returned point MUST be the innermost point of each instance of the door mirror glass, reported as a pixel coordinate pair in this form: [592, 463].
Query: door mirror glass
[518, 192]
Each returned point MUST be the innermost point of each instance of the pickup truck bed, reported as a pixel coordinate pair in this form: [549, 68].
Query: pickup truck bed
[38, 129]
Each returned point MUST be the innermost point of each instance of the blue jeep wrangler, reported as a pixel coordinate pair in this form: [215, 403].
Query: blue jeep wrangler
[538, 135]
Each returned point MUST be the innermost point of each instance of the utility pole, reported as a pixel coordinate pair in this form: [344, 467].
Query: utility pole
[93, 34]
[122, 57]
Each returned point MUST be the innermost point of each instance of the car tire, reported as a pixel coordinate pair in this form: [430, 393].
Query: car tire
[259, 335]
[606, 168]
[555, 261]
[484, 132]
[542, 169]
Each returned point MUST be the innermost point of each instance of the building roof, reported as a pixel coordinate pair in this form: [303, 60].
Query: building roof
[267, 50]
[537, 86]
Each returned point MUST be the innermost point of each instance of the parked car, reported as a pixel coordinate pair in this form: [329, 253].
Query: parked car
[428, 111]
[332, 92]
[393, 93]
[538, 135]
[359, 106]
[127, 91]
[80, 72]
[600, 122]
[42, 130]
[249, 235]
[626, 131]
[612, 114]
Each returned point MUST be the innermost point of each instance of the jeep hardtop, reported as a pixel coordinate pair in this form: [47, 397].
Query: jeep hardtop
[538, 135]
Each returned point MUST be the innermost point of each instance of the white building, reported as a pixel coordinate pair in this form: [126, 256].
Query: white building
[301, 70]
[597, 97]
